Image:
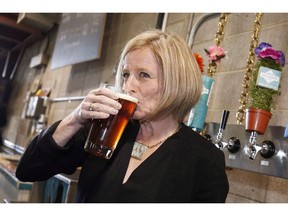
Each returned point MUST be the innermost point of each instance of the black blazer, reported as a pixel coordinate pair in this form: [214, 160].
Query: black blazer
[185, 168]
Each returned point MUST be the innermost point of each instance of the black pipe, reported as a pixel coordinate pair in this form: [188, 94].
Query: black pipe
[160, 21]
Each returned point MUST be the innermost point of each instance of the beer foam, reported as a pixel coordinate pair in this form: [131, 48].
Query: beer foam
[128, 97]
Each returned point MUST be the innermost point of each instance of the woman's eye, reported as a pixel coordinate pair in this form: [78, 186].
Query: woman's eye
[144, 75]
[125, 75]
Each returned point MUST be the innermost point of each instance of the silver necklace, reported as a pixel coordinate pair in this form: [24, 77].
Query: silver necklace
[139, 148]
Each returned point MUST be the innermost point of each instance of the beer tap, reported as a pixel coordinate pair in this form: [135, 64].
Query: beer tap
[233, 144]
[220, 143]
[266, 149]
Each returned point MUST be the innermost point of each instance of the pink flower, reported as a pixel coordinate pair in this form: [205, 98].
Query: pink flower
[269, 52]
[215, 53]
[265, 50]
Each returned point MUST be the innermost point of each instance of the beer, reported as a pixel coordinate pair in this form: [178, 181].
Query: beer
[104, 134]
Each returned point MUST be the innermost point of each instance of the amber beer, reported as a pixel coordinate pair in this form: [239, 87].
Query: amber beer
[104, 134]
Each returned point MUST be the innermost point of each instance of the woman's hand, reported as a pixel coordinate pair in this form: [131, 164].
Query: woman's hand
[98, 104]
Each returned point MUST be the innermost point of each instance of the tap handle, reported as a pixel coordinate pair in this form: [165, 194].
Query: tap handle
[233, 144]
[268, 149]
[224, 119]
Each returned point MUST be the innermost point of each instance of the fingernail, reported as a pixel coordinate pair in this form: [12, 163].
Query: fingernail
[115, 112]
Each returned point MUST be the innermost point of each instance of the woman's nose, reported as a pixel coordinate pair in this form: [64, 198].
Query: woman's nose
[129, 85]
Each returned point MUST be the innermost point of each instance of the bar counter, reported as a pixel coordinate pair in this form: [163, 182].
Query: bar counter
[60, 188]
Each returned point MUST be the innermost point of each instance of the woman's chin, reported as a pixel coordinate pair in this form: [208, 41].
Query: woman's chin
[138, 115]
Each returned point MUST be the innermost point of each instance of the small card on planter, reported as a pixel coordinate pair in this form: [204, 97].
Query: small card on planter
[268, 78]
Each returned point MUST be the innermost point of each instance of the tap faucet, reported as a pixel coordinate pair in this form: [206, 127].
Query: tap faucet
[220, 143]
[266, 149]
[233, 144]
[254, 148]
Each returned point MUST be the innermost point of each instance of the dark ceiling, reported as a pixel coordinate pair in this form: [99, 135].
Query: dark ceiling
[13, 35]
[17, 32]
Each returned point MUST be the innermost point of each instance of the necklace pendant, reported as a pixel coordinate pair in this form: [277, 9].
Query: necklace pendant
[138, 150]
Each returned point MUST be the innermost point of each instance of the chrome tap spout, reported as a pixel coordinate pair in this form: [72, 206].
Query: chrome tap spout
[266, 149]
[253, 138]
[254, 149]
[221, 144]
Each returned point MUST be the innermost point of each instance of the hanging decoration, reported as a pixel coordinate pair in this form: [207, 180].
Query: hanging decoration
[215, 53]
[240, 115]
[219, 36]
[264, 86]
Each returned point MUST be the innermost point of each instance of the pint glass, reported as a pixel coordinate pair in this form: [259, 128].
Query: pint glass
[104, 134]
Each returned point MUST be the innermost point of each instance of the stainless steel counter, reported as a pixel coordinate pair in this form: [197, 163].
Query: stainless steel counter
[10, 187]
[60, 188]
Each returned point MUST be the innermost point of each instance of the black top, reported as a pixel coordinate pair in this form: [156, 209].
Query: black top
[185, 168]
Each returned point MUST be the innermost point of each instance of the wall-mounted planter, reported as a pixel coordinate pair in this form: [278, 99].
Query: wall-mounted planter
[257, 120]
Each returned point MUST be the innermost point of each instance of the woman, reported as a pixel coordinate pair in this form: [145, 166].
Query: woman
[178, 165]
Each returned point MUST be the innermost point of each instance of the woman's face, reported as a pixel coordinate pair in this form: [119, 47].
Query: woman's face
[143, 79]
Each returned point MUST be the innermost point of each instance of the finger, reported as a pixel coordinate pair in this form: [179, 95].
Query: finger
[103, 108]
[88, 115]
[106, 92]
[84, 115]
[101, 103]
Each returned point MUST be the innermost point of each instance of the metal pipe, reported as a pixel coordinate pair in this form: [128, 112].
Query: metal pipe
[159, 22]
[14, 146]
[164, 24]
[17, 62]
[6, 64]
[62, 99]
[196, 26]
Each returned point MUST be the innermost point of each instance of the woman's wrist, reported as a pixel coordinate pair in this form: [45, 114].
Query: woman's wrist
[66, 129]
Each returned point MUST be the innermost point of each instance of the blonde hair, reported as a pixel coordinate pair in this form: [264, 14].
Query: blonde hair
[182, 83]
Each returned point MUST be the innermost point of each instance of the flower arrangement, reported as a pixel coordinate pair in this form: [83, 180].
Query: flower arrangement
[262, 97]
[196, 119]
[200, 61]
[266, 51]
[198, 113]
[264, 86]
[215, 54]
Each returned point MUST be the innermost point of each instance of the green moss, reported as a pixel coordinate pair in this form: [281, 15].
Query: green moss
[260, 97]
